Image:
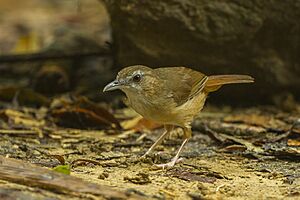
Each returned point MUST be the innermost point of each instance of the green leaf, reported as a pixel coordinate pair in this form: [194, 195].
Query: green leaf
[64, 169]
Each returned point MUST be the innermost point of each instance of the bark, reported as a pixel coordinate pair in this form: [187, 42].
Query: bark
[26, 174]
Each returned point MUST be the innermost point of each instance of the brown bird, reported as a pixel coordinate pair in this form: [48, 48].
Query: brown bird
[172, 96]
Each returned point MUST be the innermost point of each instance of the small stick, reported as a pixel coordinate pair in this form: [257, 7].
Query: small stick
[19, 132]
[49, 56]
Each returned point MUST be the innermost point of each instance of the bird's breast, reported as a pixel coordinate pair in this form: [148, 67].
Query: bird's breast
[152, 109]
[165, 110]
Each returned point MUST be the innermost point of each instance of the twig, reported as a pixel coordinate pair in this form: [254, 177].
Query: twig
[168, 192]
[19, 132]
[49, 56]
[213, 134]
[85, 160]
[218, 188]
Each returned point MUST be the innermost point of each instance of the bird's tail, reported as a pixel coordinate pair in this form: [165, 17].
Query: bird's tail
[215, 82]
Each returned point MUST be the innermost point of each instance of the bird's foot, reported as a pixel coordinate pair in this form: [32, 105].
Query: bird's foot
[169, 164]
[146, 158]
[143, 157]
[148, 154]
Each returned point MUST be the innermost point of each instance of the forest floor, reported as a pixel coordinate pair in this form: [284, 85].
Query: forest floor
[250, 153]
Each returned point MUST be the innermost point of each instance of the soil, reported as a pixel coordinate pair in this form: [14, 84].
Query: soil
[214, 165]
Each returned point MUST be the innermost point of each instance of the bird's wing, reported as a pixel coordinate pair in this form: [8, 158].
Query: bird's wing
[181, 83]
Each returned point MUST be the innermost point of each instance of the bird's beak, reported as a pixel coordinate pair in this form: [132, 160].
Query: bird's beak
[112, 86]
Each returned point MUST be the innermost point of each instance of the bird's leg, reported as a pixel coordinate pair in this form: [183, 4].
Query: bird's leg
[168, 129]
[175, 159]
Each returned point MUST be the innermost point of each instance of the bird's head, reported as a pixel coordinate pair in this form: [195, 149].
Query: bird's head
[137, 79]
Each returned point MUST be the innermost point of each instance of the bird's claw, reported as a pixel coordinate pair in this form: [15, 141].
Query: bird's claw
[145, 158]
[169, 164]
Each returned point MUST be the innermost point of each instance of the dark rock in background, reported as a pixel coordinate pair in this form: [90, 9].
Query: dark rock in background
[51, 79]
[260, 38]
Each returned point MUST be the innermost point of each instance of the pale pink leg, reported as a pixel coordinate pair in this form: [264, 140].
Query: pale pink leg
[187, 135]
[175, 159]
[168, 129]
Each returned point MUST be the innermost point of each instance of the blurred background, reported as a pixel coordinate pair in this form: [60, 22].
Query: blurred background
[53, 47]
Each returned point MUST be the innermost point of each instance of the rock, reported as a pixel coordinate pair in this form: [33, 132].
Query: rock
[51, 79]
[260, 38]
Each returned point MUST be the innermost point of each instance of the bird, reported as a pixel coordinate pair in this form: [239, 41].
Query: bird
[171, 96]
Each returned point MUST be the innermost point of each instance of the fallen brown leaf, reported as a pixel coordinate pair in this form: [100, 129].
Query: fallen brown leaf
[293, 143]
[82, 113]
[258, 120]
[139, 123]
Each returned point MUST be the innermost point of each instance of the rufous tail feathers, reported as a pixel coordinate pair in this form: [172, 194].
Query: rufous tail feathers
[215, 82]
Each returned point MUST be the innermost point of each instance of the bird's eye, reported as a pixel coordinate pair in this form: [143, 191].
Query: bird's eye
[136, 78]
